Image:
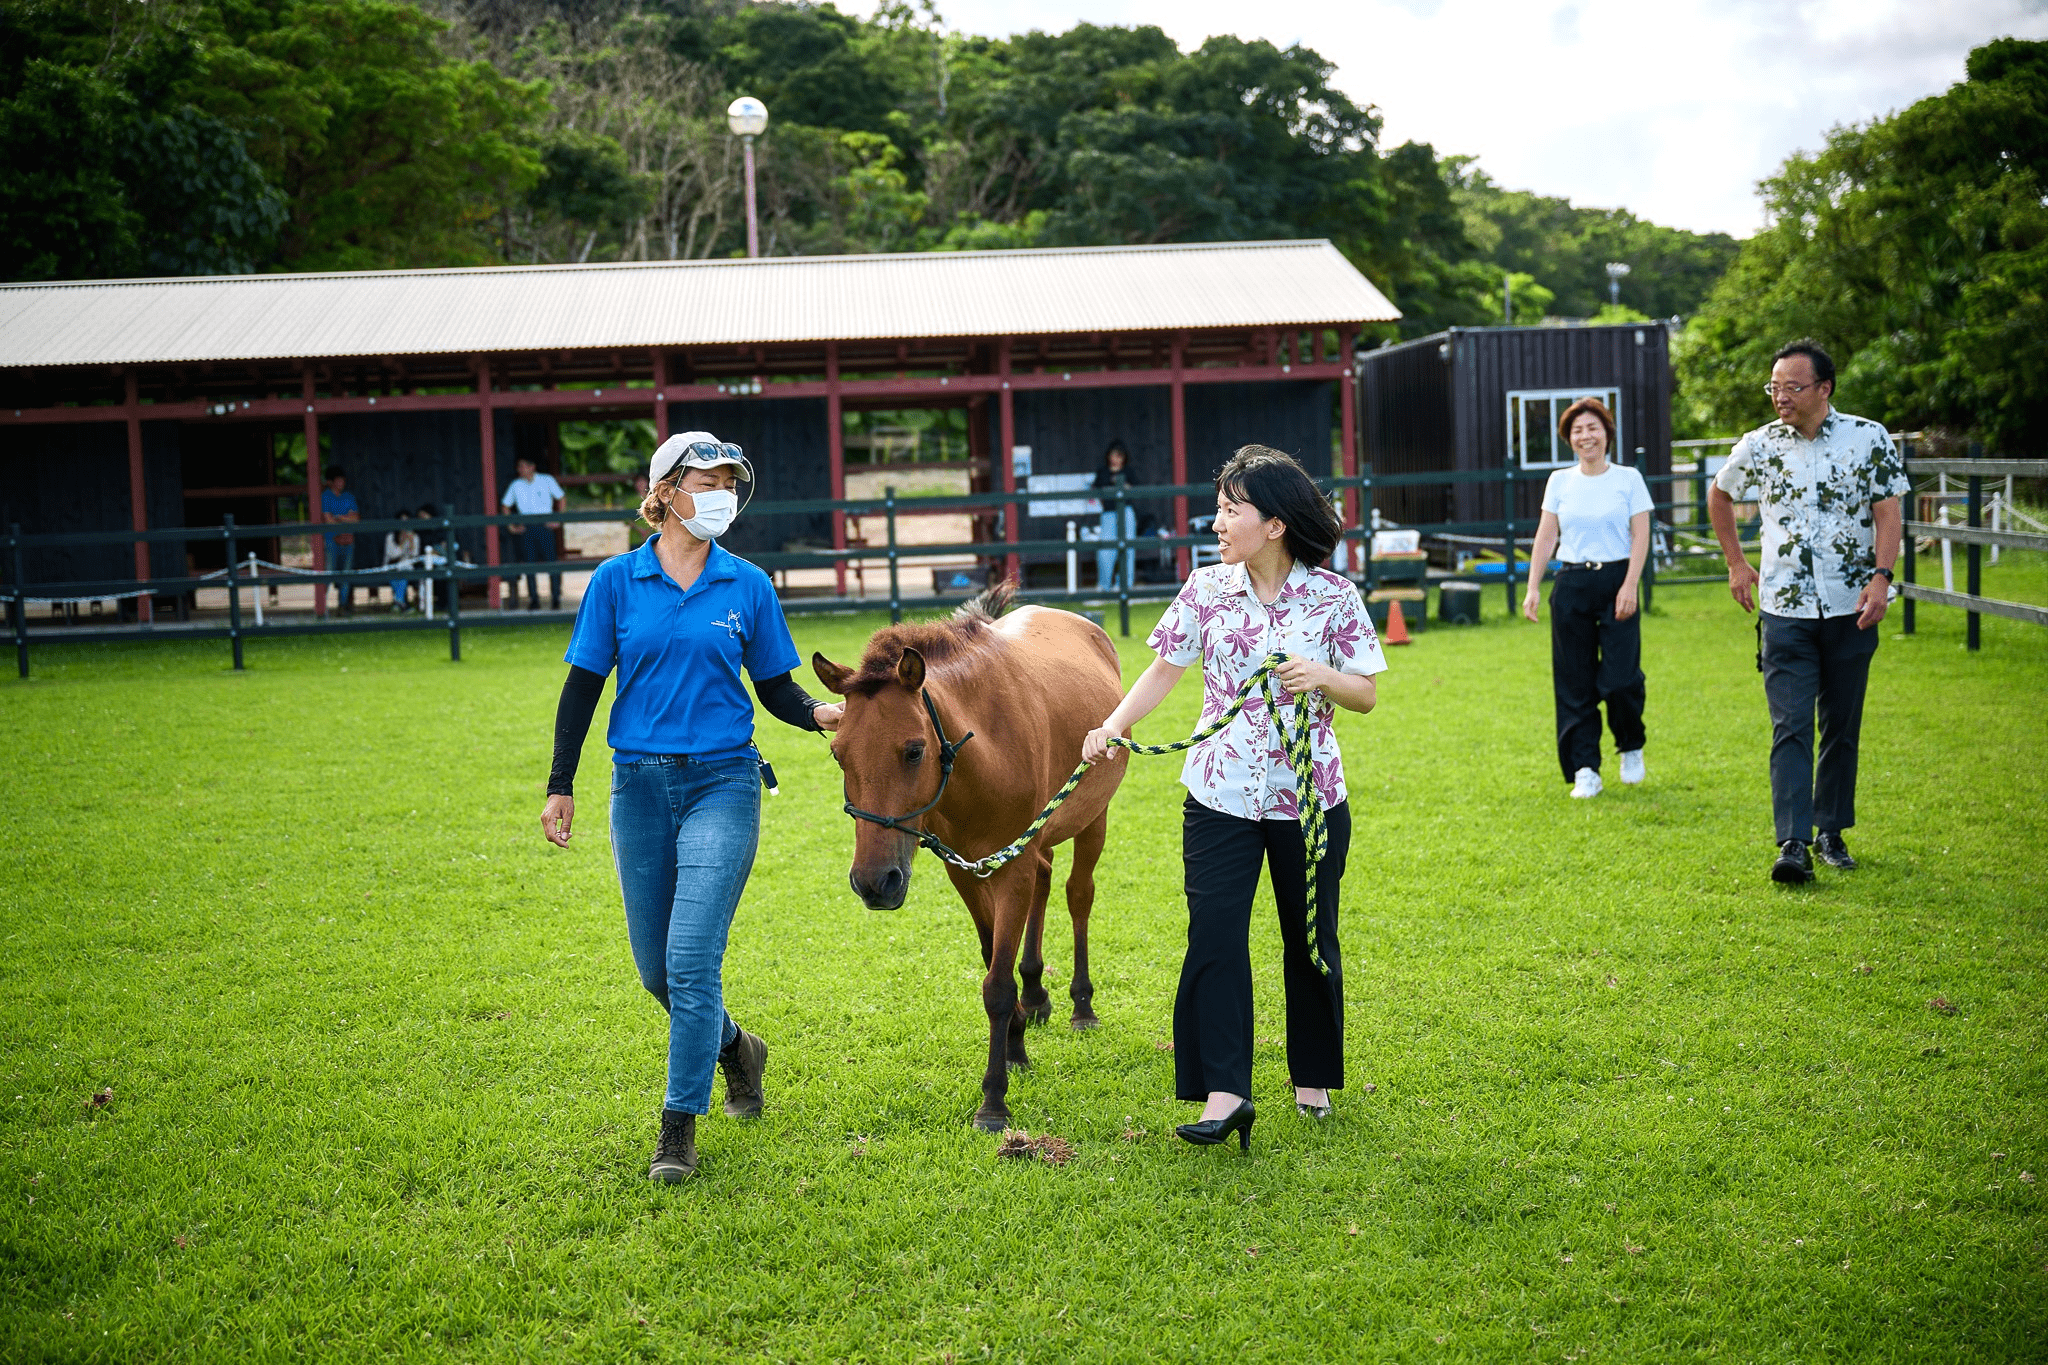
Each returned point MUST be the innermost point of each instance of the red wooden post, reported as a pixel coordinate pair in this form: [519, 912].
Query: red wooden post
[138, 494]
[319, 542]
[1347, 428]
[1180, 451]
[1006, 409]
[660, 395]
[487, 427]
[835, 455]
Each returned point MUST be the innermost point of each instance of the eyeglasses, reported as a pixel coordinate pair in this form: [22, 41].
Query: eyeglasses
[1789, 390]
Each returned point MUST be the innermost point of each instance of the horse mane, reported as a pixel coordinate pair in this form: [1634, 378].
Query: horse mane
[963, 633]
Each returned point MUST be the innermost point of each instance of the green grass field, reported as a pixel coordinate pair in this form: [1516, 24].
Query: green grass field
[384, 1084]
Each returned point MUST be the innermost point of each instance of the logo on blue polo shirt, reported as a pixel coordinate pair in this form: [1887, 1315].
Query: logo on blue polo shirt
[731, 624]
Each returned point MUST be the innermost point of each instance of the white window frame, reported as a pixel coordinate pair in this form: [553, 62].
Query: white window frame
[1559, 454]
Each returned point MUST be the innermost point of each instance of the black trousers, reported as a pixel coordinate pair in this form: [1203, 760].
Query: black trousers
[1594, 658]
[1212, 1012]
[1814, 664]
[533, 545]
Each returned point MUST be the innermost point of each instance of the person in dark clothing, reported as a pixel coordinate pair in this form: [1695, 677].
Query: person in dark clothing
[679, 618]
[1115, 473]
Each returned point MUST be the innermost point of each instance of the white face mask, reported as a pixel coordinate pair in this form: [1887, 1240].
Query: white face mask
[716, 507]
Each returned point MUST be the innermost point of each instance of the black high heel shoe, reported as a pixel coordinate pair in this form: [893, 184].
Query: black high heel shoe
[1209, 1132]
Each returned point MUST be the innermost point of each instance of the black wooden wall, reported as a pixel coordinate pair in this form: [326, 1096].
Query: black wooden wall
[1068, 430]
[1440, 403]
[74, 477]
[785, 442]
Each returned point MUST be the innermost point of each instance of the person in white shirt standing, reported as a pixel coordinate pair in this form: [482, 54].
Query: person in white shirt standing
[1827, 489]
[1596, 518]
[532, 494]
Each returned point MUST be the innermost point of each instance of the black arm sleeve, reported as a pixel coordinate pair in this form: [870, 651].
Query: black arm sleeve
[786, 701]
[580, 691]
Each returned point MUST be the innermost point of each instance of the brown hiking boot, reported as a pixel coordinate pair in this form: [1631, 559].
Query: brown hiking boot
[743, 1063]
[675, 1151]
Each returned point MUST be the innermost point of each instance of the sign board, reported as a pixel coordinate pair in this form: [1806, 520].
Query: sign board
[1062, 507]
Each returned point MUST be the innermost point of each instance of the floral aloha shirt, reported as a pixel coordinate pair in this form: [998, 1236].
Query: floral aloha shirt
[1243, 770]
[1815, 498]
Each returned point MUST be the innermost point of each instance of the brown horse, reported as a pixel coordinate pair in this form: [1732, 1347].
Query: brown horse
[1029, 686]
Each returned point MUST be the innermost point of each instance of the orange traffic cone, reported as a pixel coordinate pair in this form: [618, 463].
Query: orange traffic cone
[1397, 628]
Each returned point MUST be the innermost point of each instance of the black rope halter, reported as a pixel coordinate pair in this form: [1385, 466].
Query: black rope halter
[948, 751]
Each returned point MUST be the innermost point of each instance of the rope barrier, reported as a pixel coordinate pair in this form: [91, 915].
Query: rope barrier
[1300, 757]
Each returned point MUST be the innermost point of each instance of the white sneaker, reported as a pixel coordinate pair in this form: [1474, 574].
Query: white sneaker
[1588, 784]
[1632, 770]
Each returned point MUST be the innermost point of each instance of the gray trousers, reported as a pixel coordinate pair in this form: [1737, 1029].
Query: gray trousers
[1813, 665]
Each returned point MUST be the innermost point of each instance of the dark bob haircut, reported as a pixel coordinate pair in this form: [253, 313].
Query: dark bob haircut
[1580, 409]
[1823, 363]
[1281, 490]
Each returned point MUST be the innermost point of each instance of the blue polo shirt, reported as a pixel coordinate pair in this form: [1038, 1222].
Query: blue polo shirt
[679, 654]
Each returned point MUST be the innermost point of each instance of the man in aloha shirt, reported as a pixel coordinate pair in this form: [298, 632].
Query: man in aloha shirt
[1243, 770]
[1827, 486]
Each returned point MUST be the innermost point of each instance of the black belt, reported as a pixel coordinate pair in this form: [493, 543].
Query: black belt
[1588, 564]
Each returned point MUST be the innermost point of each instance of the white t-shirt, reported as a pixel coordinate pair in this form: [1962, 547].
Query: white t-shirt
[1592, 513]
[533, 495]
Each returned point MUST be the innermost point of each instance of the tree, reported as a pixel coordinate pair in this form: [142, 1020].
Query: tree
[1916, 249]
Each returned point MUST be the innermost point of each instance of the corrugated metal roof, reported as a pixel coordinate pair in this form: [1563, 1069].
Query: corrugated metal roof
[684, 303]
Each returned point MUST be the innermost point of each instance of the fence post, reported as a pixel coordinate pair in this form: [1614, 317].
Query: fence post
[1507, 531]
[1907, 550]
[20, 599]
[1975, 552]
[895, 589]
[1364, 546]
[454, 590]
[227, 535]
[1124, 548]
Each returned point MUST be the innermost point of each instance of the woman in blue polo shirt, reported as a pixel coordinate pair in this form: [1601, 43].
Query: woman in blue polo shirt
[679, 618]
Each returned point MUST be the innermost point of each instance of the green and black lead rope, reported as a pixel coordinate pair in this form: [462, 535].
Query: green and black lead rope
[1315, 835]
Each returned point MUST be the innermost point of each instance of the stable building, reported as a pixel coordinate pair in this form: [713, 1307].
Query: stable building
[133, 404]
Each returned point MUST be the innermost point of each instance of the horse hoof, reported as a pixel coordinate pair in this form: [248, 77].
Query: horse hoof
[1081, 1022]
[1038, 1014]
[1019, 1064]
[990, 1122]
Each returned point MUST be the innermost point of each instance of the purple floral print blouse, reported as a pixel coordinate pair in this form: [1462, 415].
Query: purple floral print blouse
[1243, 770]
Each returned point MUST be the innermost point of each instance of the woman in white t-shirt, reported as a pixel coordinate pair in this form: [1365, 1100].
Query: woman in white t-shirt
[1596, 518]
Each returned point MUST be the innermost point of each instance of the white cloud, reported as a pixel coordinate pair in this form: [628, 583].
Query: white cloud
[1673, 110]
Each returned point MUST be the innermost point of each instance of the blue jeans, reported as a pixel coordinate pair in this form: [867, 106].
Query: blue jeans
[342, 559]
[684, 832]
[1105, 560]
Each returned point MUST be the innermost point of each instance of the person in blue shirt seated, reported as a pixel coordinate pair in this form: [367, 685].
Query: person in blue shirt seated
[679, 618]
[338, 504]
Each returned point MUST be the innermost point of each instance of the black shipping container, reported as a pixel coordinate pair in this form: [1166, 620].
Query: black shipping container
[1488, 399]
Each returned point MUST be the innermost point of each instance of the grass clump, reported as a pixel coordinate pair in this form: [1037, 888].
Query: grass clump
[309, 1045]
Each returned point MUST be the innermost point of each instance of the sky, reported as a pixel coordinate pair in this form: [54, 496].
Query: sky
[1672, 109]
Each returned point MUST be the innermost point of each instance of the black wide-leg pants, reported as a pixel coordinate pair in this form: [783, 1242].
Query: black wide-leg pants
[1594, 658]
[1814, 665]
[1212, 1012]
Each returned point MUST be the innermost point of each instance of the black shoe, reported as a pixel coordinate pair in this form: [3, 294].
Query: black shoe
[1209, 1132]
[1833, 851]
[743, 1062]
[1794, 866]
[1318, 1112]
[675, 1151]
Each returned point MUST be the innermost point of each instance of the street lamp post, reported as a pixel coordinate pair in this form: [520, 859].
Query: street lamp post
[746, 117]
[1616, 272]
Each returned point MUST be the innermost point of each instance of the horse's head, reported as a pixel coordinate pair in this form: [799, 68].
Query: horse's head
[887, 748]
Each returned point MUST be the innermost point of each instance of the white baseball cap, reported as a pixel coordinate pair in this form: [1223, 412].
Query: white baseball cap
[695, 450]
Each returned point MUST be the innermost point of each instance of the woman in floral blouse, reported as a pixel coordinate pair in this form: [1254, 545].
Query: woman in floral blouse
[1242, 810]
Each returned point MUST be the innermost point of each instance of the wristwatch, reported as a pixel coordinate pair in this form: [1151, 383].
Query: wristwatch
[1889, 576]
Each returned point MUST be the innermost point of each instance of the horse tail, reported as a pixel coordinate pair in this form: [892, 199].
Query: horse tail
[989, 603]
